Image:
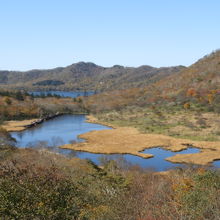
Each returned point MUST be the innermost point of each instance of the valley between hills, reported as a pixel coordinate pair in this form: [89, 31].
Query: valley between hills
[173, 108]
[180, 102]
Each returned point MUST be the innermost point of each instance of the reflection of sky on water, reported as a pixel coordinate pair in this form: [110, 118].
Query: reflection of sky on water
[58, 131]
[65, 129]
[216, 163]
[63, 93]
[157, 162]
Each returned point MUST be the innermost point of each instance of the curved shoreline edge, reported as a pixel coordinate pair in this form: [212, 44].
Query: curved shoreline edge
[128, 140]
[12, 126]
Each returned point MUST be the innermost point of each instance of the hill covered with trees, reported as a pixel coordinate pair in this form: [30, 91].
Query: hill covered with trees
[198, 84]
[85, 76]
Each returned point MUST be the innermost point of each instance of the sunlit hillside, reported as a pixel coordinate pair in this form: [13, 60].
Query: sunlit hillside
[85, 76]
[198, 84]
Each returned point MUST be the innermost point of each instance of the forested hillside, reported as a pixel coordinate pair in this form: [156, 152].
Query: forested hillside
[85, 76]
[198, 84]
[19, 106]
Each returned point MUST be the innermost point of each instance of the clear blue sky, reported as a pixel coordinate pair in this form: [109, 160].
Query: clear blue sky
[50, 33]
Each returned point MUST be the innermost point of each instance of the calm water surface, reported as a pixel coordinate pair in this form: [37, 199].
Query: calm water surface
[72, 94]
[65, 129]
[61, 130]
[216, 163]
[157, 162]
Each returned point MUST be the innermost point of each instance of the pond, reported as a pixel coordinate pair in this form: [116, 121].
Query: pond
[72, 94]
[65, 129]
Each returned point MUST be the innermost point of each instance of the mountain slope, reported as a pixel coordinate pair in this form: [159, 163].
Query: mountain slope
[86, 76]
[204, 75]
[199, 83]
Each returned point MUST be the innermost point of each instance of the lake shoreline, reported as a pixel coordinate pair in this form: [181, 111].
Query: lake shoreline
[92, 119]
[16, 126]
[126, 140]
[13, 125]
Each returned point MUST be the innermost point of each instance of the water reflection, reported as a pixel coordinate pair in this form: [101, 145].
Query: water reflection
[157, 162]
[73, 94]
[216, 163]
[65, 129]
[58, 131]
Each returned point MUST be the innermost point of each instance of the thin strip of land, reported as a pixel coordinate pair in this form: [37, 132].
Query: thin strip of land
[22, 125]
[11, 126]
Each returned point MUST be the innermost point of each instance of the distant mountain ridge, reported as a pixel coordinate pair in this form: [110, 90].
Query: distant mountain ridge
[198, 83]
[86, 76]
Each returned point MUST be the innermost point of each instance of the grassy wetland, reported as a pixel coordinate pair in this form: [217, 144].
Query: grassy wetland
[134, 139]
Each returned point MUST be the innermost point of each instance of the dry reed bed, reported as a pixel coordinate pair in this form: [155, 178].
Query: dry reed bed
[127, 140]
[17, 125]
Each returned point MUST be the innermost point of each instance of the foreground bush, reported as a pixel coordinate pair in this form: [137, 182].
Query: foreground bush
[43, 185]
[40, 185]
